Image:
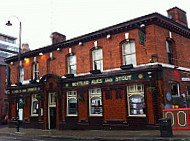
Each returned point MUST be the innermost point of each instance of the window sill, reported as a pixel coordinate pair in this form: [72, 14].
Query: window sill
[95, 71]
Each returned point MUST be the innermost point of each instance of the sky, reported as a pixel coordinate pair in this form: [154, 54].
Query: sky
[39, 18]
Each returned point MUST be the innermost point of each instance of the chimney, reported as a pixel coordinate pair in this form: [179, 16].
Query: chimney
[57, 37]
[178, 15]
[25, 48]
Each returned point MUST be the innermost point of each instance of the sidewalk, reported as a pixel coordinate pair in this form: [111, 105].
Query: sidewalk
[144, 135]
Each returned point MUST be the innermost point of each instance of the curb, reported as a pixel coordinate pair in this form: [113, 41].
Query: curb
[103, 138]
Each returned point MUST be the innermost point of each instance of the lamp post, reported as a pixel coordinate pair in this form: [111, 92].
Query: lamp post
[19, 67]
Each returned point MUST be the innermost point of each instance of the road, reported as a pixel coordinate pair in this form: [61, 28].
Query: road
[37, 138]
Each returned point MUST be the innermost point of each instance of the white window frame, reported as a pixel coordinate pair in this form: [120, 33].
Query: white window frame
[95, 59]
[74, 64]
[178, 92]
[34, 99]
[71, 95]
[95, 93]
[52, 99]
[137, 90]
[36, 71]
[132, 52]
[21, 74]
[169, 52]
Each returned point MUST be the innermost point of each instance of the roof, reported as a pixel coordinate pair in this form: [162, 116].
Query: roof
[2, 62]
[10, 37]
[154, 18]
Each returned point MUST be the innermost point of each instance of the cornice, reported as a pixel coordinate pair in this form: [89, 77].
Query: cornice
[154, 18]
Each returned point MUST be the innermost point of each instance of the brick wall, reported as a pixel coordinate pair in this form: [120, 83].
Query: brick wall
[112, 56]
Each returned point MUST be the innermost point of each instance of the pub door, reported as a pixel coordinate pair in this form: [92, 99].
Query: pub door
[52, 111]
[53, 118]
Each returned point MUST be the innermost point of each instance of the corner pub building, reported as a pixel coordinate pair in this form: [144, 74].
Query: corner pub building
[113, 78]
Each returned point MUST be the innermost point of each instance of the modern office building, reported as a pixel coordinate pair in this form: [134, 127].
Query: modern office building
[8, 48]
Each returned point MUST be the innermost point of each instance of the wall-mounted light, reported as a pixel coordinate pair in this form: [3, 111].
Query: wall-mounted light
[142, 25]
[80, 43]
[127, 36]
[27, 60]
[96, 44]
[170, 34]
[40, 53]
[58, 49]
[11, 63]
[108, 36]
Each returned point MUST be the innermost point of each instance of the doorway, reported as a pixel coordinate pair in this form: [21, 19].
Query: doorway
[52, 117]
[52, 110]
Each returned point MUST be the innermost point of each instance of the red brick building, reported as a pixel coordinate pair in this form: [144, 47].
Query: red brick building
[119, 77]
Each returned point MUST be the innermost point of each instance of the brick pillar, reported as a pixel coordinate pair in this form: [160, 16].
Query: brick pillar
[63, 107]
[39, 115]
[57, 111]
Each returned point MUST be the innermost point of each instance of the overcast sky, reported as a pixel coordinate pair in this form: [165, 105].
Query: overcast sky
[73, 18]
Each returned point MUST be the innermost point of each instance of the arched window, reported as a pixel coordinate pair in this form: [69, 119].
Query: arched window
[129, 53]
[36, 71]
[97, 59]
[21, 74]
[72, 64]
[169, 52]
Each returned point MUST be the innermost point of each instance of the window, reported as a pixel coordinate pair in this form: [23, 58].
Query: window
[95, 102]
[72, 103]
[36, 71]
[97, 59]
[135, 98]
[52, 99]
[169, 52]
[35, 105]
[175, 89]
[129, 53]
[21, 74]
[72, 64]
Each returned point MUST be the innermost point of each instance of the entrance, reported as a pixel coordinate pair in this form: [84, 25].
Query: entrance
[52, 117]
[52, 110]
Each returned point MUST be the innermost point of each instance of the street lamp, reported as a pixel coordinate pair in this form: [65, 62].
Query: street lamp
[19, 67]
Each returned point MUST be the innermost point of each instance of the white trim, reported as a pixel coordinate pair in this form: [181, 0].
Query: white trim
[138, 66]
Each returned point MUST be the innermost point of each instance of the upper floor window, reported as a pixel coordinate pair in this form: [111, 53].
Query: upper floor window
[129, 53]
[169, 52]
[72, 64]
[97, 59]
[36, 71]
[21, 74]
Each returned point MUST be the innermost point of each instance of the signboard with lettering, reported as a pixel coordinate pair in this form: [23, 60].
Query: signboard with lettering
[33, 89]
[106, 80]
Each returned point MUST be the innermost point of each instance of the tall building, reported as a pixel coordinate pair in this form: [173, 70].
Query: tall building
[8, 48]
[119, 77]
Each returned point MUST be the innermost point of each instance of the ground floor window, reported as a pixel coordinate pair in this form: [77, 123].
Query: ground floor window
[34, 105]
[72, 103]
[135, 98]
[95, 102]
